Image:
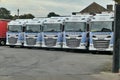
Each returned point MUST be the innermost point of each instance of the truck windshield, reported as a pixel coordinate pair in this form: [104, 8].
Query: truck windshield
[101, 26]
[15, 28]
[52, 28]
[75, 26]
[33, 28]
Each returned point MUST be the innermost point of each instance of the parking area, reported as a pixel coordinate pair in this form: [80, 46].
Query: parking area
[40, 64]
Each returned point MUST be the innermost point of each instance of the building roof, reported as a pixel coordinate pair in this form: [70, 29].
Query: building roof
[94, 8]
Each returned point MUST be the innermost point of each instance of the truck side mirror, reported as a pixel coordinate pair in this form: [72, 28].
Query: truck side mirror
[88, 27]
[113, 26]
[63, 27]
[23, 29]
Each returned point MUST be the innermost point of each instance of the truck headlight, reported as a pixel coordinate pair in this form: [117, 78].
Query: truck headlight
[94, 36]
[108, 36]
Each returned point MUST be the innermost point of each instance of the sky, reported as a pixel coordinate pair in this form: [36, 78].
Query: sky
[41, 8]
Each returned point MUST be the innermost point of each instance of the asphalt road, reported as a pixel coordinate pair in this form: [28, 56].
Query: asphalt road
[40, 64]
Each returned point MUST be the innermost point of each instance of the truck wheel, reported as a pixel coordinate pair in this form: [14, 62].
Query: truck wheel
[94, 52]
[12, 46]
[2, 43]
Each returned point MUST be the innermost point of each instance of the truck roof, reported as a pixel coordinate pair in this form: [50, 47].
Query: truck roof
[102, 17]
[55, 20]
[36, 21]
[19, 22]
[77, 18]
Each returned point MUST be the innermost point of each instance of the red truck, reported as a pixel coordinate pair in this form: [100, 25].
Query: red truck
[3, 30]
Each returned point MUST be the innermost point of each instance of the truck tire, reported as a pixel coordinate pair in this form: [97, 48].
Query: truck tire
[12, 46]
[2, 42]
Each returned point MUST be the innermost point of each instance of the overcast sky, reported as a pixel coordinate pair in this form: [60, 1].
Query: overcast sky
[40, 8]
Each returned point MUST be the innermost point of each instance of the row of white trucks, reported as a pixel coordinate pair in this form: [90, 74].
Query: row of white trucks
[84, 32]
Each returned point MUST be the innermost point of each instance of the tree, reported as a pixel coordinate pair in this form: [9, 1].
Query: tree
[15, 17]
[26, 16]
[117, 1]
[52, 14]
[5, 14]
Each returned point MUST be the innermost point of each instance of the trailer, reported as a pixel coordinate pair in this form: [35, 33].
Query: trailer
[3, 30]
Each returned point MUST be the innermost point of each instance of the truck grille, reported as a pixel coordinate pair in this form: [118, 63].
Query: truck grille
[30, 41]
[12, 40]
[73, 42]
[50, 42]
[101, 43]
